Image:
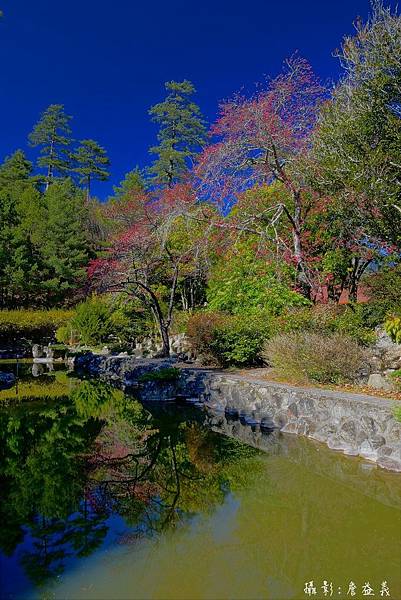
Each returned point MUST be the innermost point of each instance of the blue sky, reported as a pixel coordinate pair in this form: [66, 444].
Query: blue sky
[107, 61]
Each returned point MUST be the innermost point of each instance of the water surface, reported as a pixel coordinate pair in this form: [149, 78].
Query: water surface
[102, 497]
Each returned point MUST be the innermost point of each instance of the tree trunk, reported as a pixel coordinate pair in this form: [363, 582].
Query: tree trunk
[354, 280]
[301, 276]
[88, 189]
[50, 167]
[164, 330]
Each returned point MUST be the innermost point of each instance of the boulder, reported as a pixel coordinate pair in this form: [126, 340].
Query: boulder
[377, 381]
[37, 351]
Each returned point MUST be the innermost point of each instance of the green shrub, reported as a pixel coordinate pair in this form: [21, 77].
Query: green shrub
[228, 340]
[33, 325]
[129, 322]
[67, 335]
[239, 342]
[293, 319]
[323, 358]
[92, 321]
[375, 312]
[392, 327]
[242, 284]
[164, 374]
[351, 320]
[104, 319]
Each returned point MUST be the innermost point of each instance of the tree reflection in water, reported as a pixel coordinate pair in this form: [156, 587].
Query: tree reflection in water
[68, 464]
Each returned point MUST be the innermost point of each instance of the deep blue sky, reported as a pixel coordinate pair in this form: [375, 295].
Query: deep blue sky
[106, 61]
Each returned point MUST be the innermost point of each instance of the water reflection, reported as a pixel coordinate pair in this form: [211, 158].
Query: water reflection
[69, 464]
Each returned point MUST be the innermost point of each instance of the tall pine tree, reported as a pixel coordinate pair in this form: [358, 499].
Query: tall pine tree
[181, 135]
[52, 134]
[91, 161]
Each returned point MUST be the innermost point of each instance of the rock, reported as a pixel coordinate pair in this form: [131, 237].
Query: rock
[378, 382]
[366, 450]
[377, 441]
[389, 463]
[37, 351]
[48, 350]
[384, 451]
[291, 427]
[7, 380]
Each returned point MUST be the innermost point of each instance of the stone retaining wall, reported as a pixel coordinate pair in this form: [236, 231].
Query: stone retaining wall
[357, 425]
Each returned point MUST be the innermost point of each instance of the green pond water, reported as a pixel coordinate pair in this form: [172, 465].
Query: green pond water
[103, 497]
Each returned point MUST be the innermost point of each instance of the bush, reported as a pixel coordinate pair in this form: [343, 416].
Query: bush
[33, 325]
[228, 340]
[92, 321]
[129, 322]
[180, 321]
[100, 319]
[384, 287]
[239, 342]
[393, 328]
[374, 313]
[67, 335]
[351, 320]
[308, 356]
[242, 284]
[200, 331]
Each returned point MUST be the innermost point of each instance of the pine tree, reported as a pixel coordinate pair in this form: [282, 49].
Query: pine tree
[21, 221]
[181, 135]
[132, 182]
[91, 160]
[52, 134]
[65, 245]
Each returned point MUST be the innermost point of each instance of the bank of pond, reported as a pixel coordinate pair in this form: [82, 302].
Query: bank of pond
[102, 496]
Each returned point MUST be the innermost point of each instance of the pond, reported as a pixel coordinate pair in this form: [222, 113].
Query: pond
[103, 497]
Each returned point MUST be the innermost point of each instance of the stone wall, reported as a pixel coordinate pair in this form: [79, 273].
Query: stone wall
[358, 476]
[357, 425]
[354, 424]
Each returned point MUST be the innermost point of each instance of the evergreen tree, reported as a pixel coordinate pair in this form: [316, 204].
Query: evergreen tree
[91, 160]
[65, 245]
[15, 168]
[182, 133]
[21, 219]
[132, 182]
[52, 135]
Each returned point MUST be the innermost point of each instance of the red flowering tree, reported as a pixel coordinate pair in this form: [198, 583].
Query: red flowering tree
[260, 140]
[156, 240]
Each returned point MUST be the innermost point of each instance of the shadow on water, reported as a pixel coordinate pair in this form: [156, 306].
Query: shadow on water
[85, 468]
